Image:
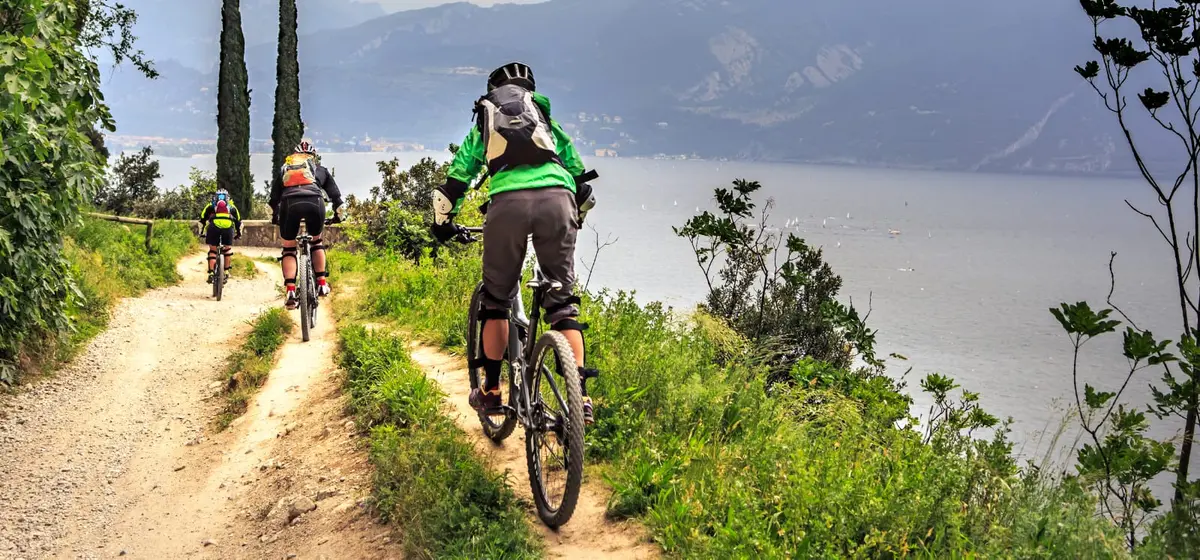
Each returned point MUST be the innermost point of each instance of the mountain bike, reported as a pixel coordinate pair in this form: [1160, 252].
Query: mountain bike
[306, 282]
[548, 405]
[219, 277]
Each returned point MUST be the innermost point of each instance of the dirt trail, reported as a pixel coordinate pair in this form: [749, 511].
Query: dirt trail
[588, 534]
[116, 455]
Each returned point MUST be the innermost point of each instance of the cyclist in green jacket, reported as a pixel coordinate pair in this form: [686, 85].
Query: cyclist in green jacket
[222, 218]
[538, 187]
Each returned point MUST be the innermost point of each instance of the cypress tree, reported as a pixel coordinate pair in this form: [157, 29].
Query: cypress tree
[233, 110]
[287, 130]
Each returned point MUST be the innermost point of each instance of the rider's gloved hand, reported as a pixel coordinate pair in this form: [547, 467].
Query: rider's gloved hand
[338, 215]
[445, 202]
[445, 232]
[238, 234]
[584, 200]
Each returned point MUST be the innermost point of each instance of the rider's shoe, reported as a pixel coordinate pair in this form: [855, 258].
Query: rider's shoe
[211, 275]
[292, 301]
[322, 288]
[589, 417]
[482, 400]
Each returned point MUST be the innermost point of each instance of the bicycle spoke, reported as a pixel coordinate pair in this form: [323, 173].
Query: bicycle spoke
[548, 418]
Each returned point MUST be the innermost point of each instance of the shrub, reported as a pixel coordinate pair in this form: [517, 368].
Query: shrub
[131, 183]
[776, 291]
[399, 212]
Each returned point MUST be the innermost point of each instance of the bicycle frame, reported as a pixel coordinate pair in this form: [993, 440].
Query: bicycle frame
[522, 356]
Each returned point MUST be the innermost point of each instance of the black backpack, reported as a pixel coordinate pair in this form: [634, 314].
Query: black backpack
[515, 129]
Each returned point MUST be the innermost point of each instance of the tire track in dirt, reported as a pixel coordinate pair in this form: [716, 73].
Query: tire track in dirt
[589, 534]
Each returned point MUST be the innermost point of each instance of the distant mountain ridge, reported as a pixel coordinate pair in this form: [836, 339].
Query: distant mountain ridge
[940, 84]
[187, 31]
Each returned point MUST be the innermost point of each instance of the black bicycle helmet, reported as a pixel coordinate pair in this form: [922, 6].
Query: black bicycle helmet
[513, 72]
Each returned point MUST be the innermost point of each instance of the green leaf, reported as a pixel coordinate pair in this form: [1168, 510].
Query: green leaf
[1088, 71]
[1154, 100]
[1078, 318]
[1096, 399]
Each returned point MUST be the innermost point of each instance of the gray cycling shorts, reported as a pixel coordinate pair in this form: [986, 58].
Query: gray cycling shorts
[550, 216]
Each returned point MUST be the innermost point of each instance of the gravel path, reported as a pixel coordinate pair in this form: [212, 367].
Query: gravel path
[77, 450]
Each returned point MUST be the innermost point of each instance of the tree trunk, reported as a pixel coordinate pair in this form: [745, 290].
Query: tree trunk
[287, 129]
[1185, 455]
[233, 110]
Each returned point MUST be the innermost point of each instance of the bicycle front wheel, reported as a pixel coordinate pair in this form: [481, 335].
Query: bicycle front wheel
[302, 292]
[313, 301]
[219, 277]
[554, 445]
[496, 427]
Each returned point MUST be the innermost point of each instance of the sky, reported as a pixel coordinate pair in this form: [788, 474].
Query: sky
[396, 5]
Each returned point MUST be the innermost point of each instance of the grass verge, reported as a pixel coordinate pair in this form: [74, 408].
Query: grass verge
[428, 480]
[243, 267]
[248, 367]
[717, 466]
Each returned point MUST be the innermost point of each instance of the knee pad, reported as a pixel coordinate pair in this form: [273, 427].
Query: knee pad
[212, 255]
[569, 325]
[572, 300]
[486, 315]
[288, 252]
[228, 251]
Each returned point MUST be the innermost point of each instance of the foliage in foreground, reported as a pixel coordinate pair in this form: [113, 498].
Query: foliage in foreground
[1150, 50]
[50, 101]
[717, 465]
[428, 480]
[249, 366]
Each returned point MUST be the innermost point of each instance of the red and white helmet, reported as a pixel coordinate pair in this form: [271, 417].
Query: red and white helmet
[304, 147]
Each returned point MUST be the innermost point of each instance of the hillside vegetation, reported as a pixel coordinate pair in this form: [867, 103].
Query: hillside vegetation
[702, 440]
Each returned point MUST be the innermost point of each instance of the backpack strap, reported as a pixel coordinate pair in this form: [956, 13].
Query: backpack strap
[587, 176]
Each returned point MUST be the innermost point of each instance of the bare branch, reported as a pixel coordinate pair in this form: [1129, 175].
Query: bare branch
[608, 242]
[1112, 287]
[1154, 221]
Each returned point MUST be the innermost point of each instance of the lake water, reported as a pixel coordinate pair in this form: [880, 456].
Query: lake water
[962, 289]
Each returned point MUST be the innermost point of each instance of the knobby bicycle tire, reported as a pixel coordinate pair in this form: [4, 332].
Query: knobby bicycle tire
[302, 292]
[219, 276]
[555, 342]
[314, 300]
[495, 432]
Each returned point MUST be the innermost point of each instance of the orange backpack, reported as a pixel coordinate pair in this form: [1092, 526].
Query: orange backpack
[298, 170]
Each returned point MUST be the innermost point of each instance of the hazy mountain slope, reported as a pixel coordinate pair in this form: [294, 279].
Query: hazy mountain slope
[938, 83]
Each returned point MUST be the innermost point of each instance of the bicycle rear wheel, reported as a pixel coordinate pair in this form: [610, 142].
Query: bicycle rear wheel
[219, 277]
[496, 431]
[554, 447]
[313, 300]
[302, 292]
